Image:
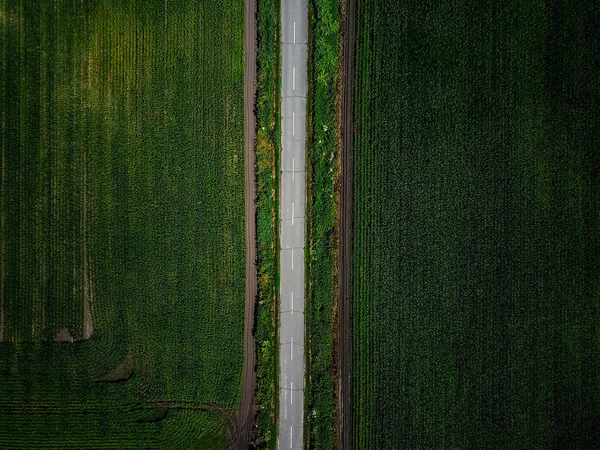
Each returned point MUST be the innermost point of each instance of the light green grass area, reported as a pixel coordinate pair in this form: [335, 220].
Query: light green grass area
[123, 193]
[476, 246]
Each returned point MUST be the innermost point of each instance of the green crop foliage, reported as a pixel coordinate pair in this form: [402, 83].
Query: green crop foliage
[322, 166]
[267, 217]
[476, 245]
[122, 189]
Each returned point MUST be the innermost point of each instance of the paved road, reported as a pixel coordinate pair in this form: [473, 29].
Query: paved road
[294, 32]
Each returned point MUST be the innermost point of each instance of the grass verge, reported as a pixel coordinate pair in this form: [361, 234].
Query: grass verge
[267, 211]
[322, 166]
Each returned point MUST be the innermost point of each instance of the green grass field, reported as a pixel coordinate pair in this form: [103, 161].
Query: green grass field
[476, 246]
[122, 214]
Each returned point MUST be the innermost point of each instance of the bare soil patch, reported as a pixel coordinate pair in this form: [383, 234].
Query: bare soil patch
[122, 373]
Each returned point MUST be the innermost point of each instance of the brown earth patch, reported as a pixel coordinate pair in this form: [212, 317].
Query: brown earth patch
[64, 336]
[122, 373]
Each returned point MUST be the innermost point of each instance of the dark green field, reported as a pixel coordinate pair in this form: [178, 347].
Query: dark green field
[122, 222]
[477, 228]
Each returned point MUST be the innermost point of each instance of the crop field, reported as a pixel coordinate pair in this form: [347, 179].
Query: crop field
[122, 222]
[477, 228]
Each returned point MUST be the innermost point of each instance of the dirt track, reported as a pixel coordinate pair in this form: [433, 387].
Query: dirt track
[247, 406]
[346, 221]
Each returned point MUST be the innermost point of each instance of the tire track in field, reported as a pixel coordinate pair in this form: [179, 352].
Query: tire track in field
[345, 429]
[2, 174]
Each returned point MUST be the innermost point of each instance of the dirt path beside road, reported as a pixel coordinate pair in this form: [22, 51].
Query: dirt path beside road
[247, 407]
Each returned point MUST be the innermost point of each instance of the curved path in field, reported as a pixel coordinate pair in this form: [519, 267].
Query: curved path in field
[247, 406]
[294, 35]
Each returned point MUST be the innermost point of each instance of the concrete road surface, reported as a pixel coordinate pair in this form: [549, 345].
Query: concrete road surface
[294, 32]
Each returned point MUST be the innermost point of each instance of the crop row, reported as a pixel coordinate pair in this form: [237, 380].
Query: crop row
[366, 214]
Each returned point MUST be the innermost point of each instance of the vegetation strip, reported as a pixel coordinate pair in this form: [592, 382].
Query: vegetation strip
[267, 217]
[323, 166]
